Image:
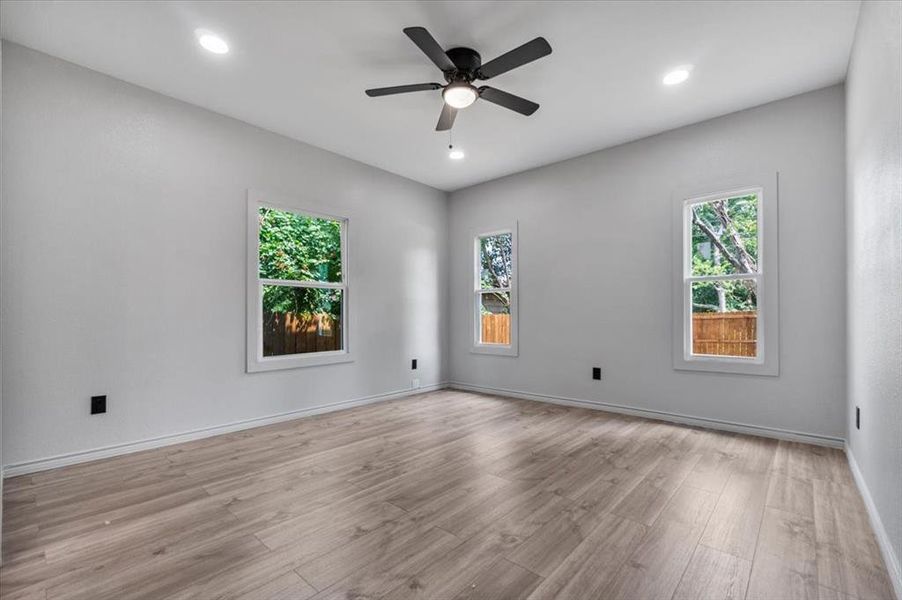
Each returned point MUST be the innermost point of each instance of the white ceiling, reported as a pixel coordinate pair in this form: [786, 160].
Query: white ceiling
[300, 68]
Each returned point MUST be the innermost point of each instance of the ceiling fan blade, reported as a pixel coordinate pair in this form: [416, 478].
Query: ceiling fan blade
[515, 103]
[446, 119]
[517, 57]
[403, 89]
[425, 42]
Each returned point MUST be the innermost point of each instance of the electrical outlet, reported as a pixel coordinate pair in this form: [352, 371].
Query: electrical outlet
[413, 364]
[98, 405]
[857, 418]
[414, 384]
[596, 372]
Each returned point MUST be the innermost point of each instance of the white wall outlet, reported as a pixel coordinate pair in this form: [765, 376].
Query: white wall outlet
[414, 384]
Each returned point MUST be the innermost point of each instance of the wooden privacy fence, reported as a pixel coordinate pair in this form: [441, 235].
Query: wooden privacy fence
[720, 334]
[496, 328]
[288, 333]
[725, 334]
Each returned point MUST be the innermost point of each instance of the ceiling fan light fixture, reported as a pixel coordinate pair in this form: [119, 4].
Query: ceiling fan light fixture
[460, 68]
[459, 95]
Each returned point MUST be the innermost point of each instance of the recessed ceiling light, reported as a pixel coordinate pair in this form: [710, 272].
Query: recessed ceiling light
[678, 75]
[459, 95]
[211, 42]
[456, 154]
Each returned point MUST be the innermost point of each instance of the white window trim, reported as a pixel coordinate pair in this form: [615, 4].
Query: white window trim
[256, 362]
[767, 279]
[478, 347]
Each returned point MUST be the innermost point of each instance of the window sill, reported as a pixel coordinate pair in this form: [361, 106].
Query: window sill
[298, 362]
[494, 349]
[724, 364]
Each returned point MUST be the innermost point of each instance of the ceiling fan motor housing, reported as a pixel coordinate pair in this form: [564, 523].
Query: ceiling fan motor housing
[467, 62]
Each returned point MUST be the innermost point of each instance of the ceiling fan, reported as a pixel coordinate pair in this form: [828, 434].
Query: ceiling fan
[463, 66]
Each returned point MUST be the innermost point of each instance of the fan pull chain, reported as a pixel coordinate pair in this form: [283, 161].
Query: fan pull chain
[452, 153]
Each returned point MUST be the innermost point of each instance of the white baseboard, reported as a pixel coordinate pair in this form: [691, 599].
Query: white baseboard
[770, 432]
[63, 460]
[893, 566]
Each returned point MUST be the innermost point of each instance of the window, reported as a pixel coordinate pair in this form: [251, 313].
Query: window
[727, 310]
[297, 288]
[495, 293]
[723, 276]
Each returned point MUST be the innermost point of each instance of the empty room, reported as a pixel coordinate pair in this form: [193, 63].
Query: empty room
[451, 300]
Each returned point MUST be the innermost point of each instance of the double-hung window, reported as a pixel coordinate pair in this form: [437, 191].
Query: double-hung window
[495, 293]
[727, 309]
[297, 287]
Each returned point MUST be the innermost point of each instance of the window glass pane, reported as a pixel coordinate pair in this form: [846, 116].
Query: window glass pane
[298, 320]
[297, 247]
[725, 318]
[495, 267]
[725, 236]
[495, 317]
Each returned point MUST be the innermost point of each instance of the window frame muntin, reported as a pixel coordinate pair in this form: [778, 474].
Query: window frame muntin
[256, 362]
[477, 346]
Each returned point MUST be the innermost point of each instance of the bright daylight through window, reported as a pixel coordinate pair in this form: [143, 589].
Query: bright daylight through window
[494, 290]
[723, 276]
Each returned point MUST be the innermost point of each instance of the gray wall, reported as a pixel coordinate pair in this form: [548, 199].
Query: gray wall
[123, 264]
[874, 235]
[595, 254]
[1, 325]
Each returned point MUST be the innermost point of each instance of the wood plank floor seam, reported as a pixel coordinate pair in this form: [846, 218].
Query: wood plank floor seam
[295, 571]
[757, 539]
[689, 562]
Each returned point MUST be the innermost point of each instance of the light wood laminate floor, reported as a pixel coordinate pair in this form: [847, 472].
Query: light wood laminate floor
[448, 495]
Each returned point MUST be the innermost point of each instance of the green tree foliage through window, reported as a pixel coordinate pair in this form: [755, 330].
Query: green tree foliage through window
[296, 247]
[725, 242]
[496, 267]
